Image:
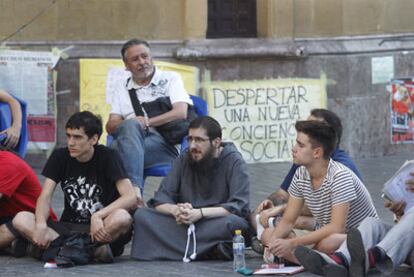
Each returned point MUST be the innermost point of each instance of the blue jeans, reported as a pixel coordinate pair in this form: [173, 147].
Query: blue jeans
[140, 148]
[396, 240]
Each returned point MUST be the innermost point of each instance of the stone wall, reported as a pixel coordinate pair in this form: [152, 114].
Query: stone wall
[82, 20]
[364, 107]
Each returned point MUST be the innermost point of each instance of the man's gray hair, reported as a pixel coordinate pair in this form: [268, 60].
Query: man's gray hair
[131, 43]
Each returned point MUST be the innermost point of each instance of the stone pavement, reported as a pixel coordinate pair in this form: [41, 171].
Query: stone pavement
[264, 178]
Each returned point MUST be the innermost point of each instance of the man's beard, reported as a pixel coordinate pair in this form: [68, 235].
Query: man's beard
[146, 75]
[205, 164]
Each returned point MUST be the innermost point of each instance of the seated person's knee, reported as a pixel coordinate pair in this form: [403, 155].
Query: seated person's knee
[123, 217]
[21, 220]
[330, 244]
[305, 223]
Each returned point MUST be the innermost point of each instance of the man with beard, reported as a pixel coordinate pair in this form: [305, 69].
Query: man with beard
[199, 204]
[130, 123]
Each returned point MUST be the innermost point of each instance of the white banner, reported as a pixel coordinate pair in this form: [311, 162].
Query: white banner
[259, 116]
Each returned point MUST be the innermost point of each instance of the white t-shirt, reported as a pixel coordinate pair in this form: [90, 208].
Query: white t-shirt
[163, 83]
[340, 185]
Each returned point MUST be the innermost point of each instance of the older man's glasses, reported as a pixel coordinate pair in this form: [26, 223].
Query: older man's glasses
[196, 140]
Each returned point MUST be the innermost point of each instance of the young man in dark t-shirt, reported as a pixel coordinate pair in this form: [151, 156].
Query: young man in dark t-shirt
[98, 195]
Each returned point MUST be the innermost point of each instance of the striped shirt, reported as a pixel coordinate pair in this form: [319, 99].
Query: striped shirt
[339, 186]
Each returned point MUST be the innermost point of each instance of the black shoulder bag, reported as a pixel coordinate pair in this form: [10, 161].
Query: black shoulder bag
[174, 131]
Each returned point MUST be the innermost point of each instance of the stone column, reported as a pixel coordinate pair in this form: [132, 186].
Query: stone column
[275, 18]
[195, 19]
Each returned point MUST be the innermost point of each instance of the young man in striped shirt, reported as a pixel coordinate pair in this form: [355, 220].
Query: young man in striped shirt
[336, 197]
[271, 209]
[374, 243]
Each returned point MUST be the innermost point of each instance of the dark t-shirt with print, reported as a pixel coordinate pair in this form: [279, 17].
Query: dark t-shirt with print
[87, 186]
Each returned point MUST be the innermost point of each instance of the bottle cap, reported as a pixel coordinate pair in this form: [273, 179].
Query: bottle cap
[237, 232]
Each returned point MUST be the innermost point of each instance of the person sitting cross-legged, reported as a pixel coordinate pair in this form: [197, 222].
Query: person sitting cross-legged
[98, 196]
[19, 190]
[199, 204]
[270, 210]
[335, 196]
[373, 244]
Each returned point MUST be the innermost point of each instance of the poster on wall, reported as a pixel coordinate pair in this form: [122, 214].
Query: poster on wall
[29, 75]
[42, 127]
[402, 110]
[382, 69]
[259, 116]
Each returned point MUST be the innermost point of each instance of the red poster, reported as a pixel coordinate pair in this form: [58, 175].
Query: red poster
[402, 113]
[41, 128]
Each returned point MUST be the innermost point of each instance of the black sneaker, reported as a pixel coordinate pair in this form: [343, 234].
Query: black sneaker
[257, 246]
[18, 247]
[359, 261]
[319, 263]
[224, 251]
[34, 251]
[118, 251]
[103, 254]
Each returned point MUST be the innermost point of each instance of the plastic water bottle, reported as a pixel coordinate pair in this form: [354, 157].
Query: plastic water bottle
[238, 251]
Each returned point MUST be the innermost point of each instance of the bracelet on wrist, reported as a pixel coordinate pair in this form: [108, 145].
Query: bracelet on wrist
[201, 211]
